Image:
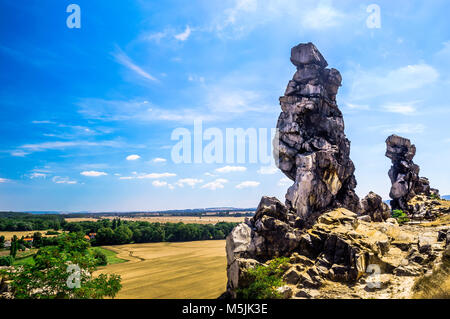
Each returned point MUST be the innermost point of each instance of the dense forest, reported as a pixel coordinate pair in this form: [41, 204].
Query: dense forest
[10, 221]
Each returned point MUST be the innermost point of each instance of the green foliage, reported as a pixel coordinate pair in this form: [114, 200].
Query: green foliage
[52, 232]
[2, 242]
[6, 260]
[264, 280]
[100, 257]
[48, 277]
[14, 246]
[118, 232]
[400, 216]
[27, 222]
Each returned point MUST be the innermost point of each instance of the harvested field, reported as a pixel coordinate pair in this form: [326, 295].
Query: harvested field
[9, 234]
[171, 219]
[192, 270]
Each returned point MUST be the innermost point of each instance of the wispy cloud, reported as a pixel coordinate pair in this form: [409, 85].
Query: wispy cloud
[268, 170]
[159, 183]
[4, 180]
[368, 84]
[247, 184]
[26, 149]
[229, 169]
[184, 35]
[36, 175]
[401, 108]
[126, 61]
[192, 182]
[148, 176]
[93, 173]
[217, 184]
[63, 180]
[401, 128]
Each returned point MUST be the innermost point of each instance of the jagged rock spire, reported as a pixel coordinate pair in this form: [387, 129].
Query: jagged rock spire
[310, 147]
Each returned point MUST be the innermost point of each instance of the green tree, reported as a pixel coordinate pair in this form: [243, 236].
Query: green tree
[2, 241]
[49, 278]
[14, 246]
[37, 239]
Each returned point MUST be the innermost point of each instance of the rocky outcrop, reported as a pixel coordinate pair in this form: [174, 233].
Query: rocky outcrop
[332, 240]
[429, 207]
[310, 147]
[404, 174]
[373, 206]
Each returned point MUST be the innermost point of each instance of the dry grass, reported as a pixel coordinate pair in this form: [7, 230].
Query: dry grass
[172, 219]
[192, 270]
[436, 285]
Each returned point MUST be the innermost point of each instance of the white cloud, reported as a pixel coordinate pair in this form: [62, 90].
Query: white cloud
[4, 180]
[229, 169]
[354, 106]
[188, 181]
[93, 173]
[133, 157]
[401, 128]
[217, 184]
[268, 170]
[285, 182]
[125, 60]
[58, 145]
[159, 183]
[376, 83]
[156, 175]
[148, 176]
[184, 35]
[322, 17]
[247, 184]
[210, 175]
[401, 108]
[159, 160]
[37, 175]
[63, 180]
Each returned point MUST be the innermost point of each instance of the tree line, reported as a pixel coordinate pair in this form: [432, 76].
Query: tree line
[118, 232]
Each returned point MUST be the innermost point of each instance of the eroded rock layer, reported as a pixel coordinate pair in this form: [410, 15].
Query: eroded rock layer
[311, 148]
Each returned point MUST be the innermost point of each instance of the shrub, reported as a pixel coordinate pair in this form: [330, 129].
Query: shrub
[100, 257]
[264, 280]
[6, 260]
[400, 216]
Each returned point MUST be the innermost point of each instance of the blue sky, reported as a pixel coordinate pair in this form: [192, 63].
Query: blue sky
[77, 104]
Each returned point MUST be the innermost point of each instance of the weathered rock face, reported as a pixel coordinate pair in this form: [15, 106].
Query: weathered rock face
[372, 205]
[310, 147]
[404, 174]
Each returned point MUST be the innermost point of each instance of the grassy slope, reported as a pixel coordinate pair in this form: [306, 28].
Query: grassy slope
[111, 256]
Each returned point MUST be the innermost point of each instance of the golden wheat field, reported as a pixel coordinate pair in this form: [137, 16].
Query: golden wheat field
[171, 219]
[192, 270]
[9, 234]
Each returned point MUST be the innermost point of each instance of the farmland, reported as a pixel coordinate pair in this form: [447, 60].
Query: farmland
[170, 270]
[170, 219]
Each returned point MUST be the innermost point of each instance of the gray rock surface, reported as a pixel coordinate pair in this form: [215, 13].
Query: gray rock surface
[404, 173]
[310, 147]
[372, 205]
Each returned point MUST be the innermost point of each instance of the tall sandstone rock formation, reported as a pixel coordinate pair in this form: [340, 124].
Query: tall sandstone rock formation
[404, 173]
[310, 147]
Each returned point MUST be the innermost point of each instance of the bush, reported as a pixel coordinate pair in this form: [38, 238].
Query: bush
[6, 260]
[400, 216]
[100, 257]
[264, 280]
